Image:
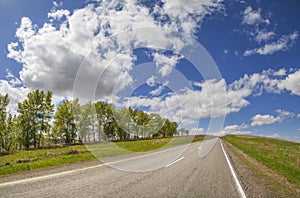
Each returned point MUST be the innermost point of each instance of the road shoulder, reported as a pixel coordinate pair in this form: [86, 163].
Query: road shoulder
[256, 179]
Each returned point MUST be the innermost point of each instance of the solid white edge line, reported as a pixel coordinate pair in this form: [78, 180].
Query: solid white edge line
[174, 162]
[238, 185]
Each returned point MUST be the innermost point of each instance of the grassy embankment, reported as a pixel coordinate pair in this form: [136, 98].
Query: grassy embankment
[282, 157]
[41, 159]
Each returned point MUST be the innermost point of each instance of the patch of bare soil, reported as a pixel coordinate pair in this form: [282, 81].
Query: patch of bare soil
[256, 179]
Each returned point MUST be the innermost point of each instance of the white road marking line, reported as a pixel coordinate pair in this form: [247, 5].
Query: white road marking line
[238, 185]
[83, 169]
[174, 162]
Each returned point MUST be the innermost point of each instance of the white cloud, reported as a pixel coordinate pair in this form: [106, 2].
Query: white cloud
[280, 72]
[187, 105]
[158, 91]
[232, 129]
[102, 38]
[13, 80]
[283, 114]
[16, 95]
[207, 101]
[56, 4]
[151, 81]
[259, 82]
[291, 83]
[58, 14]
[258, 29]
[264, 36]
[283, 44]
[275, 135]
[196, 131]
[252, 17]
[165, 63]
[259, 120]
[298, 116]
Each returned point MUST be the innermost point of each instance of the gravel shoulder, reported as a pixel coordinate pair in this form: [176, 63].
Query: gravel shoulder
[256, 179]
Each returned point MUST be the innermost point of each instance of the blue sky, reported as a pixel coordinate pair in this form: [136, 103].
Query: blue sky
[129, 52]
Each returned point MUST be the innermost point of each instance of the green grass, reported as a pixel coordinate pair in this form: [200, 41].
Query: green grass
[281, 156]
[40, 159]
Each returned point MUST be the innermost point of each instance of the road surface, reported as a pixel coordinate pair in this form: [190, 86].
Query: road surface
[200, 171]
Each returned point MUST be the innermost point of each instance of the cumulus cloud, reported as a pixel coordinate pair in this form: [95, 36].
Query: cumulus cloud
[259, 29]
[58, 14]
[232, 129]
[262, 36]
[188, 105]
[270, 81]
[280, 72]
[16, 95]
[165, 63]
[291, 83]
[282, 44]
[235, 129]
[283, 114]
[196, 131]
[274, 135]
[252, 17]
[214, 98]
[101, 38]
[260, 120]
[159, 90]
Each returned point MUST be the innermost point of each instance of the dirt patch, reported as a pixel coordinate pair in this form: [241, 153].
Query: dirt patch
[256, 179]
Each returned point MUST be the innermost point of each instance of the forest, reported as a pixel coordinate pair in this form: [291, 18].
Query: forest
[39, 123]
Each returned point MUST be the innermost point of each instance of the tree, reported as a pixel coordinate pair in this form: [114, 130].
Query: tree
[168, 129]
[86, 122]
[100, 111]
[183, 131]
[123, 123]
[10, 135]
[64, 122]
[4, 101]
[143, 120]
[35, 114]
[104, 115]
[45, 115]
[155, 124]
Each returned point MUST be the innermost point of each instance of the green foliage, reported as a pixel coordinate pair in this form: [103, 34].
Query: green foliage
[64, 123]
[5, 125]
[35, 114]
[90, 122]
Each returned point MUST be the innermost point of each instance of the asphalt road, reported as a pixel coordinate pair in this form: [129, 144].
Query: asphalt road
[200, 170]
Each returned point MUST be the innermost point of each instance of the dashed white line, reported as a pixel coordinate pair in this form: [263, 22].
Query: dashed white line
[174, 162]
[238, 185]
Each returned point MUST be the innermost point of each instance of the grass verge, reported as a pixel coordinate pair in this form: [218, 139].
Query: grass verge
[280, 156]
[41, 159]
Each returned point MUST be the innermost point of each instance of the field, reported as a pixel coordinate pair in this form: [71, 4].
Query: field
[32, 160]
[282, 157]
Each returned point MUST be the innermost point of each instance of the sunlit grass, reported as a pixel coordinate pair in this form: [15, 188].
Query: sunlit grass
[281, 156]
[24, 161]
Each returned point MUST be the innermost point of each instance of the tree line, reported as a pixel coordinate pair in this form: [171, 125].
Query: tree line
[37, 124]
